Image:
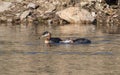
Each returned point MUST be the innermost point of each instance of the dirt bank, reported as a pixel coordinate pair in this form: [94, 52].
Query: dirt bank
[44, 11]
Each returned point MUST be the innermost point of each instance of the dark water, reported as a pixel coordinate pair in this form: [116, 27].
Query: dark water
[23, 53]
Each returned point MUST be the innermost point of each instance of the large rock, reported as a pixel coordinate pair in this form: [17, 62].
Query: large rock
[19, 0]
[25, 14]
[32, 5]
[47, 7]
[4, 6]
[75, 15]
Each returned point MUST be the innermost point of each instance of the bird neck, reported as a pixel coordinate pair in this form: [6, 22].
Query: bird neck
[47, 40]
[48, 37]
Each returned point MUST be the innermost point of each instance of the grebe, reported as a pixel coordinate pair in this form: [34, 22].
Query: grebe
[51, 40]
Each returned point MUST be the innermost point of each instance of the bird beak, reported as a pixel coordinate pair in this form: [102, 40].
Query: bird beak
[41, 36]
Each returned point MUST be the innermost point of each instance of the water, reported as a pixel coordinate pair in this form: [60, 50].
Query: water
[23, 53]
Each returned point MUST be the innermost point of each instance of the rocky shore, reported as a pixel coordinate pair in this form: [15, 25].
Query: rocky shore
[60, 11]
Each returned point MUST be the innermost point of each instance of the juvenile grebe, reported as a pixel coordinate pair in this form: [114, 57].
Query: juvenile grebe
[51, 40]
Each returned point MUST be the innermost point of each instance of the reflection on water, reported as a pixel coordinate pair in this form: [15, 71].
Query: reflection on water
[23, 53]
[110, 28]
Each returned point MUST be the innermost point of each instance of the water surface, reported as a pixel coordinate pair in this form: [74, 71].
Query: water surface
[23, 53]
